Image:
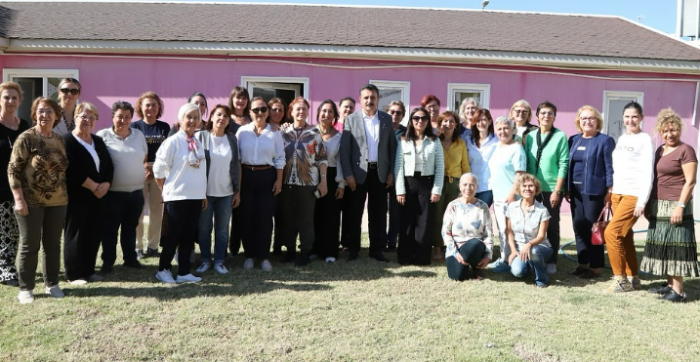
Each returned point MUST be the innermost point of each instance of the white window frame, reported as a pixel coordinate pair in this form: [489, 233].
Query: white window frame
[607, 95]
[305, 81]
[9, 73]
[484, 89]
[403, 86]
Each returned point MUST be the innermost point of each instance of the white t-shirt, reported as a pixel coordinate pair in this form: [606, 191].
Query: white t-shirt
[633, 166]
[128, 155]
[219, 183]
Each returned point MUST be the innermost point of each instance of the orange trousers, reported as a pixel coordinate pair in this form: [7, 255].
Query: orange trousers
[619, 237]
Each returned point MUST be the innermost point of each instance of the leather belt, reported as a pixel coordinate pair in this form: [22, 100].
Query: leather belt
[372, 165]
[256, 167]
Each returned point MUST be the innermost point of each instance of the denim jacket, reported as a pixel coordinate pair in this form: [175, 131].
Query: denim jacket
[598, 164]
[433, 163]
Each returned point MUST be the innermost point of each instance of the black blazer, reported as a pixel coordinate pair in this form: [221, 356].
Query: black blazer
[81, 166]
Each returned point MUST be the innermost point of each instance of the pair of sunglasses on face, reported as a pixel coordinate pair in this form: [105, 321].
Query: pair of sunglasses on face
[73, 91]
[259, 110]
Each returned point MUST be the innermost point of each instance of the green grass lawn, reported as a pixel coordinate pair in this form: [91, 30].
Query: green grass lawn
[348, 311]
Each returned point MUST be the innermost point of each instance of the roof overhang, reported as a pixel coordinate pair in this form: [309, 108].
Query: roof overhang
[347, 52]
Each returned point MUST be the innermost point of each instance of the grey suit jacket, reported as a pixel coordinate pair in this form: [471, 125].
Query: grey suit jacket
[353, 147]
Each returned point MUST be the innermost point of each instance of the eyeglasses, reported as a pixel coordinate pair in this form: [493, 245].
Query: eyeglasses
[588, 119]
[259, 110]
[88, 118]
[44, 111]
[393, 112]
[417, 119]
[521, 111]
[546, 113]
[73, 91]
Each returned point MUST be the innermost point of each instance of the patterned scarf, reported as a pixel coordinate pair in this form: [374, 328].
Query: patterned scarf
[192, 146]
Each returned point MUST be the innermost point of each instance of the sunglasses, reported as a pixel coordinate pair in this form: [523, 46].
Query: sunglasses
[420, 118]
[392, 112]
[259, 110]
[73, 91]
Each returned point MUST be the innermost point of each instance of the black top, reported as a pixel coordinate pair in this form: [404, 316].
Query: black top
[7, 139]
[81, 165]
[155, 135]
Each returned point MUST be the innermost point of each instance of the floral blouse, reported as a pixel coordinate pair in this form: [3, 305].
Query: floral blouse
[304, 151]
[463, 222]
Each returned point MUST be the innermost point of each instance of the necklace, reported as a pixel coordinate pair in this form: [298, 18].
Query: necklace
[323, 131]
[7, 124]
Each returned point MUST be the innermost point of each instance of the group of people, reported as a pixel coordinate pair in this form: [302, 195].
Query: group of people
[241, 170]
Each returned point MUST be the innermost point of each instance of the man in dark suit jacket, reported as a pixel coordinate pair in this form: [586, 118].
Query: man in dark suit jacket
[367, 154]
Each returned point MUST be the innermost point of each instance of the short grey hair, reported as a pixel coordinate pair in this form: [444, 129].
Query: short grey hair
[186, 109]
[504, 119]
[469, 174]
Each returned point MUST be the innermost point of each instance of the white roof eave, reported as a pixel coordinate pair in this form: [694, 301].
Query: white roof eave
[345, 52]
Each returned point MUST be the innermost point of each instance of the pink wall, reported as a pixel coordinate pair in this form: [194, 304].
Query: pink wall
[107, 79]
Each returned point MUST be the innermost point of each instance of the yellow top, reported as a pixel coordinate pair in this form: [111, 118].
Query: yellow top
[456, 159]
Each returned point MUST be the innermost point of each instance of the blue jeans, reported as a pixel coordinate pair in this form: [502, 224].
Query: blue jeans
[121, 209]
[485, 196]
[217, 214]
[539, 254]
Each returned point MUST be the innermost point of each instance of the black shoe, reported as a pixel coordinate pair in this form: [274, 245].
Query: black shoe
[277, 251]
[378, 256]
[290, 256]
[353, 256]
[133, 264]
[578, 271]
[391, 247]
[589, 274]
[139, 254]
[662, 289]
[152, 253]
[302, 260]
[106, 269]
[478, 273]
[672, 296]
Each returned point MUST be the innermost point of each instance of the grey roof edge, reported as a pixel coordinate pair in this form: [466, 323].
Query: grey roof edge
[185, 48]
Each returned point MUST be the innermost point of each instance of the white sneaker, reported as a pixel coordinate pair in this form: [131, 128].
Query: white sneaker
[25, 297]
[189, 278]
[204, 267]
[165, 276]
[266, 266]
[220, 268]
[551, 268]
[54, 292]
[248, 264]
[77, 282]
[330, 259]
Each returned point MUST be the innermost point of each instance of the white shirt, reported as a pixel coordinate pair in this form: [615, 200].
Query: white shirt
[182, 181]
[372, 135]
[479, 160]
[219, 182]
[333, 150]
[127, 156]
[265, 149]
[90, 147]
[633, 166]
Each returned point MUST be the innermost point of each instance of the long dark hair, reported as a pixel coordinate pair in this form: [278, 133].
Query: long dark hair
[335, 111]
[475, 136]
[210, 125]
[634, 105]
[410, 134]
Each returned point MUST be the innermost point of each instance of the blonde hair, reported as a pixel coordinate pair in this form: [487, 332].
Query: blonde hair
[86, 106]
[598, 116]
[667, 117]
[11, 85]
[520, 180]
[521, 103]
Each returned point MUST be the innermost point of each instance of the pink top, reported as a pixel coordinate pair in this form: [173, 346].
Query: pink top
[339, 126]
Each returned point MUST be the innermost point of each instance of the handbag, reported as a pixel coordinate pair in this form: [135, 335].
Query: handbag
[598, 229]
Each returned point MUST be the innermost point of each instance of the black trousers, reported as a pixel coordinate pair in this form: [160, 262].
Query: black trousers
[235, 235]
[472, 252]
[298, 205]
[82, 237]
[258, 204]
[327, 219]
[346, 211]
[585, 210]
[375, 192]
[553, 233]
[181, 232]
[416, 221]
[278, 241]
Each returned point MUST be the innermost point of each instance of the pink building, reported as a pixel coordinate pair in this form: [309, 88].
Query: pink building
[119, 50]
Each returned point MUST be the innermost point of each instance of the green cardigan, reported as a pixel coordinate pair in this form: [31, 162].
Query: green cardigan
[555, 158]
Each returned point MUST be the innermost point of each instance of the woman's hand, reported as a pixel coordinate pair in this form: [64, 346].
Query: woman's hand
[204, 204]
[461, 260]
[483, 263]
[21, 208]
[277, 187]
[512, 257]
[638, 211]
[101, 190]
[236, 200]
[434, 198]
[401, 199]
[608, 199]
[677, 215]
[148, 167]
[339, 192]
[322, 188]
[554, 199]
[525, 252]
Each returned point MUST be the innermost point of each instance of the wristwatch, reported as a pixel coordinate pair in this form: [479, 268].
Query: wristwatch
[681, 205]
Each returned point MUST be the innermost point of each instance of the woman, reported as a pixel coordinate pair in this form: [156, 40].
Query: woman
[456, 164]
[262, 161]
[68, 93]
[124, 201]
[223, 175]
[346, 107]
[632, 181]
[481, 144]
[506, 163]
[467, 110]
[179, 169]
[419, 171]
[305, 176]
[547, 151]
[37, 176]
[521, 114]
[11, 127]
[670, 248]
[396, 110]
[88, 178]
[431, 103]
[240, 105]
[278, 112]
[149, 107]
[589, 180]
[467, 243]
[200, 101]
[327, 212]
[526, 225]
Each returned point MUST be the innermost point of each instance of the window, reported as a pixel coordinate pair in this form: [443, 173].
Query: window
[285, 88]
[390, 91]
[613, 104]
[37, 83]
[457, 92]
